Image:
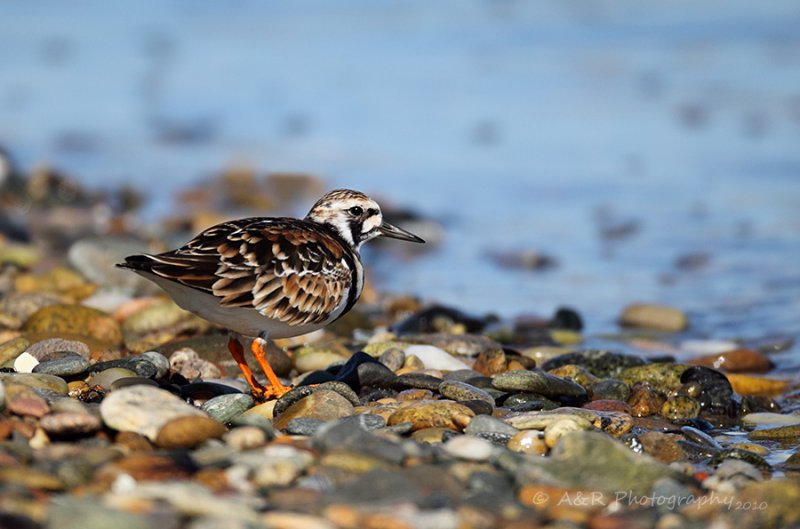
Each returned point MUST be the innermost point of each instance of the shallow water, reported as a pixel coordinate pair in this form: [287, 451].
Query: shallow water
[517, 125]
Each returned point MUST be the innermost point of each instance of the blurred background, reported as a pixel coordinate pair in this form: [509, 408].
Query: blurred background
[581, 153]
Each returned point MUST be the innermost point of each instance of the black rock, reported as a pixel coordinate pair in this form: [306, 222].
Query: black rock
[359, 371]
[567, 318]
[600, 363]
[142, 367]
[423, 321]
[611, 389]
[716, 395]
[418, 381]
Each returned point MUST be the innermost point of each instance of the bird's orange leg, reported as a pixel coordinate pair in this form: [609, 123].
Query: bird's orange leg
[237, 351]
[276, 389]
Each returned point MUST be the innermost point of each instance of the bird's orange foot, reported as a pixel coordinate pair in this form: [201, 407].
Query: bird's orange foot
[276, 389]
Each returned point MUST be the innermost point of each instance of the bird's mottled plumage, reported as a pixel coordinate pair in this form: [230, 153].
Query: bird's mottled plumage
[299, 273]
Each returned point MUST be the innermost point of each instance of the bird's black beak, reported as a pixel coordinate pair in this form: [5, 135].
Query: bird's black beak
[393, 232]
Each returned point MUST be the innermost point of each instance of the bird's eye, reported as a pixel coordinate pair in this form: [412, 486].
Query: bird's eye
[356, 211]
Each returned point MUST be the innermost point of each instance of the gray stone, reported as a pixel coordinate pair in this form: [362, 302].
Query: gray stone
[537, 382]
[143, 409]
[67, 365]
[224, 408]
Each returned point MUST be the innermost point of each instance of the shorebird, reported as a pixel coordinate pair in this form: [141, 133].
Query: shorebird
[273, 277]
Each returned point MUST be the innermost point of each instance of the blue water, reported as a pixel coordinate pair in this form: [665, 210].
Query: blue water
[517, 125]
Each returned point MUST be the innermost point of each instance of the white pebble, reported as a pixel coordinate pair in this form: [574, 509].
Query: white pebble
[708, 347]
[435, 358]
[469, 447]
[25, 363]
[771, 418]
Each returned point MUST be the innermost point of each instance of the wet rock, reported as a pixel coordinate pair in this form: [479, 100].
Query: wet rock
[654, 316]
[528, 442]
[324, 405]
[432, 414]
[740, 455]
[461, 391]
[645, 401]
[144, 410]
[609, 405]
[538, 382]
[486, 424]
[577, 374]
[771, 418]
[610, 389]
[664, 377]
[189, 431]
[224, 408]
[70, 424]
[680, 408]
[554, 431]
[528, 402]
[781, 433]
[714, 392]
[75, 320]
[736, 361]
[756, 386]
[191, 366]
[66, 365]
[600, 363]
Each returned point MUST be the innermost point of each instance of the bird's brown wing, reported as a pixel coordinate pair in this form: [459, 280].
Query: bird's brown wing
[284, 268]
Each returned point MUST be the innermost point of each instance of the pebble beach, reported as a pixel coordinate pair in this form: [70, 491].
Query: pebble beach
[121, 410]
[600, 332]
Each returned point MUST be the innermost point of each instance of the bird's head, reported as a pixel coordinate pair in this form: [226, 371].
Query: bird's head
[355, 217]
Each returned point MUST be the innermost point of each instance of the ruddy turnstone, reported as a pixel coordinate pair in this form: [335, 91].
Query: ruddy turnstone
[273, 277]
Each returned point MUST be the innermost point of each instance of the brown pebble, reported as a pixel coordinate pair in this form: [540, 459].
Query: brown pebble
[31, 406]
[737, 361]
[645, 401]
[5, 428]
[133, 442]
[154, 467]
[491, 363]
[414, 394]
[187, 432]
[70, 423]
[431, 414]
[609, 405]
[662, 446]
